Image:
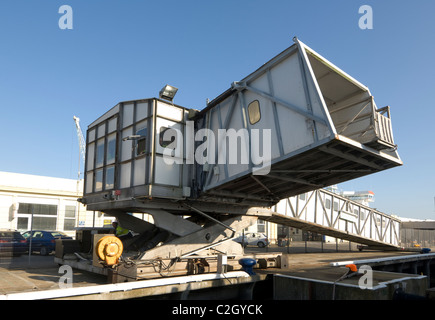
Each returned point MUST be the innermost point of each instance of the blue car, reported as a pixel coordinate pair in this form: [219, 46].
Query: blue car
[12, 243]
[43, 242]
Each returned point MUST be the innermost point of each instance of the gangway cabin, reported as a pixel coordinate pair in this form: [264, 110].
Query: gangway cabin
[298, 123]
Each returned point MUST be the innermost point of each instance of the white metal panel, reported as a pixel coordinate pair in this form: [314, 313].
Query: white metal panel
[139, 172]
[287, 81]
[168, 111]
[105, 116]
[126, 146]
[161, 124]
[125, 175]
[166, 174]
[141, 111]
[294, 130]
[127, 118]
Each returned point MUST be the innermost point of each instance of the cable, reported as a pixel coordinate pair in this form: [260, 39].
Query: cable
[350, 272]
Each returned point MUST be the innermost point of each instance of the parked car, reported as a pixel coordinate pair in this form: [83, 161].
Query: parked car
[253, 239]
[12, 243]
[44, 242]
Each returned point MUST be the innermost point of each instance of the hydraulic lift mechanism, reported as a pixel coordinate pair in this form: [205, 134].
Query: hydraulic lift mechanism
[296, 124]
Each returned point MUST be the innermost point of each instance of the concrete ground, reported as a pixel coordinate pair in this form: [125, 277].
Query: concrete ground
[35, 272]
[22, 274]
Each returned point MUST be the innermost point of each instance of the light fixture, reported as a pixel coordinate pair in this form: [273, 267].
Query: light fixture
[168, 92]
[133, 137]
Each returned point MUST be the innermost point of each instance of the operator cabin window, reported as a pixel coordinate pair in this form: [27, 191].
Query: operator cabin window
[168, 137]
[111, 149]
[100, 153]
[141, 142]
[254, 112]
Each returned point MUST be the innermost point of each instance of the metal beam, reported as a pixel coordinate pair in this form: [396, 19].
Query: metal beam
[295, 180]
[350, 157]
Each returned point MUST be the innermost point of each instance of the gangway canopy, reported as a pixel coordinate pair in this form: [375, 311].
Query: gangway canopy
[296, 124]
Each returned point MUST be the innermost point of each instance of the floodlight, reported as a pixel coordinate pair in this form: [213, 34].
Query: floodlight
[133, 137]
[168, 92]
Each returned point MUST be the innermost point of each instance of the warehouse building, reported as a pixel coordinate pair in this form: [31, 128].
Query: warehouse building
[47, 203]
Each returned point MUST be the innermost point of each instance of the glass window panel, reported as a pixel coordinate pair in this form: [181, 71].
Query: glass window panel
[70, 211]
[110, 178]
[100, 153]
[168, 136]
[90, 156]
[112, 124]
[36, 208]
[254, 112]
[69, 224]
[23, 223]
[101, 130]
[141, 143]
[91, 135]
[45, 223]
[111, 149]
[24, 208]
[89, 181]
[99, 180]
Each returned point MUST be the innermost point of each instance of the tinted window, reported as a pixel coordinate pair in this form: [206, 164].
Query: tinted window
[169, 138]
[254, 112]
[141, 142]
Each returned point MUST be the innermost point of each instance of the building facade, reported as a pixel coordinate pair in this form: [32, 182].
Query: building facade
[37, 202]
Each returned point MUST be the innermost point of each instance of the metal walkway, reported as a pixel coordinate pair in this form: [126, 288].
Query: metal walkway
[330, 214]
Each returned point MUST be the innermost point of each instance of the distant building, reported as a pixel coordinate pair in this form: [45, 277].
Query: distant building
[38, 202]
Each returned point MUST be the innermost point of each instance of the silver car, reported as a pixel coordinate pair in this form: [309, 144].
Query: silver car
[253, 239]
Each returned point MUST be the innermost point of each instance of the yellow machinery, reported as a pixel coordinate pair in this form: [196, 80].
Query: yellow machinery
[109, 249]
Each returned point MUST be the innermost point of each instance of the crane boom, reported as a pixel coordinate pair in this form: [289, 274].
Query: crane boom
[80, 137]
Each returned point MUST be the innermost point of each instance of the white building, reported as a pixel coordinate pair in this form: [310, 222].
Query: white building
[38, 202]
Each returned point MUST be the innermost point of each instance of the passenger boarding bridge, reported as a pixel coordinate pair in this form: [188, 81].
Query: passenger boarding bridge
[295, 125]
[331, 214]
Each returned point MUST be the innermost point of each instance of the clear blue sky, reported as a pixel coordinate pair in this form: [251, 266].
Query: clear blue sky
[122, 50]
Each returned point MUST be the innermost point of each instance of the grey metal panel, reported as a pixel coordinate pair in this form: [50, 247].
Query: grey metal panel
[306, 101]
